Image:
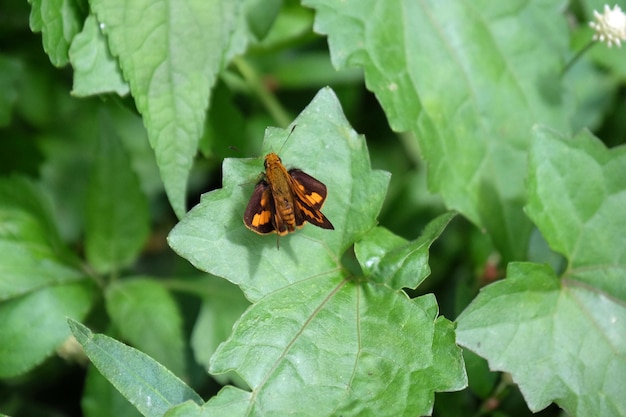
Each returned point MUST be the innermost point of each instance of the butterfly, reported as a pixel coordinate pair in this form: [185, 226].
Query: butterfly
[284, 200]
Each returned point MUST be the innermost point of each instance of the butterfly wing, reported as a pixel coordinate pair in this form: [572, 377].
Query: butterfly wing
[258, 216]
[310, 195]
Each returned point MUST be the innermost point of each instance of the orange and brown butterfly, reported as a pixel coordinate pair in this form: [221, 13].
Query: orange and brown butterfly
[284, 200]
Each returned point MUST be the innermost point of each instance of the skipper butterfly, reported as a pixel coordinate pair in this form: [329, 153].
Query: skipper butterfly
[284, 200]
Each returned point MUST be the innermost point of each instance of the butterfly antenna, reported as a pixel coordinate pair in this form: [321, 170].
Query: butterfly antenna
[287, 138]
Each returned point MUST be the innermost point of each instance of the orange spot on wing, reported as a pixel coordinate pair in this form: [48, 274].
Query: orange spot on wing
[261, 218]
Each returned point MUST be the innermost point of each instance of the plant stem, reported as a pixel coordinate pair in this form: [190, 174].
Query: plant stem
[577, 56]
[273, 106]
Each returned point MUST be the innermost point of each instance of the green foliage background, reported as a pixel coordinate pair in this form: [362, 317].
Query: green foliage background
[131, 136]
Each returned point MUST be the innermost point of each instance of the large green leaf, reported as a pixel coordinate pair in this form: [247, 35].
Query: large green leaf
[213, 237]
[469, 80]
[170, 53]
[563, 338]
[578, 199]
[117, 216]
[561, 341]
[316, 340]
[147, 316]
[39, 284]
[147, 384]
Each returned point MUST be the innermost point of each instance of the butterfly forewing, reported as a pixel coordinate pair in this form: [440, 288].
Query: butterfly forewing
[310, 195]
[259, 215]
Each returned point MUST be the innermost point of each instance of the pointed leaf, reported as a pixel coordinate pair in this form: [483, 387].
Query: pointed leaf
[147, 315]
[439, 69]
[117, 210]
[213, 237]
[396, 262]
[170, 53]
[147, 384]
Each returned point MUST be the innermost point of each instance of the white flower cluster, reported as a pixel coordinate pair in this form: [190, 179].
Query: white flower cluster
[610, 26]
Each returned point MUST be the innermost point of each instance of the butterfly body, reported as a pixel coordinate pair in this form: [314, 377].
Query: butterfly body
[284, 200]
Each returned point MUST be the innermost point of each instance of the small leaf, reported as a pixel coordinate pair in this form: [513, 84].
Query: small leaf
[147, 315]
[396, 262]
[95, 70]
[117, 210]
[260, 15]
[58, 21]
[170, 55]
[148, 385]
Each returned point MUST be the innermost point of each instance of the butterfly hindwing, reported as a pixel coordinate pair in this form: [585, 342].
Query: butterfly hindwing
[310, 195]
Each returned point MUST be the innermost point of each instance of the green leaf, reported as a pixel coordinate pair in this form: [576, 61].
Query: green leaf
[34, 324]
[316, 331]
[101, 399]
[117, 216]
[260, 15]
[170, 56]
[147, 316]
[444, 83]
[577, 199]
[10, 70]
[222, 305]
[148, 385]
[562, 341]
[230, 400]
[213, 237]
[328, 338]
[58, 21]
[31, 256]
[396, 262]
[95, 70]
[39, 287]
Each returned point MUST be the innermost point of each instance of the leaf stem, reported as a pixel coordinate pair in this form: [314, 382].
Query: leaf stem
[577, 57]
[273, 106]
